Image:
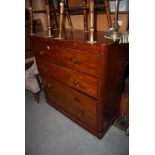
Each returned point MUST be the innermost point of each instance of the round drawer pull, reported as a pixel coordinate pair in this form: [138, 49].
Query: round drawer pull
[74, 60]
[49, 85]
[80, 114]
[77, 99]
[75, 82]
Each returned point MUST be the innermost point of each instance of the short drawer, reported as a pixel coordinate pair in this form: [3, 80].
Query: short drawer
[79, 81]
[78, 60]
[78, 105]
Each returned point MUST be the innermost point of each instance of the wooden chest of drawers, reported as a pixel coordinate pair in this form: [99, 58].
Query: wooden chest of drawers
[81, 80]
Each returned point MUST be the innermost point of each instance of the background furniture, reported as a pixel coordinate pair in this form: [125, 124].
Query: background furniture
[32, 80]
[124, 106]
[83, 81]
[122, 121]
[37, 27]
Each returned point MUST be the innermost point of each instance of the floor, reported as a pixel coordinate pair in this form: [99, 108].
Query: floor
[48, 132]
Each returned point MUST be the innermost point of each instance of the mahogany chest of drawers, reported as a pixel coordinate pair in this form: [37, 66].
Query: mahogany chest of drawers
[83, 81]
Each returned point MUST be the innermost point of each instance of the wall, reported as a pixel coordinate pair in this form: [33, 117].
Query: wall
[102, 24]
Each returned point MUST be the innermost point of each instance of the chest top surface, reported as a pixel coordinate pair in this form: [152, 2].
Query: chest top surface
[76, 39]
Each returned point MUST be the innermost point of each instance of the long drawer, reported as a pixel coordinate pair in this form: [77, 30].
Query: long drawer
[81, 82]
[73, 59]
[78, 60]
[78, 105]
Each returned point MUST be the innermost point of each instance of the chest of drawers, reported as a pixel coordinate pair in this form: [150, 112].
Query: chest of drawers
[81, 80]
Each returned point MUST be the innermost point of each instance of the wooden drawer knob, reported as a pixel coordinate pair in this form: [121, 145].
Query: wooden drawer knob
[80, 114]
[75, 82]
[74, 60]
[49, 85]
[77, 99]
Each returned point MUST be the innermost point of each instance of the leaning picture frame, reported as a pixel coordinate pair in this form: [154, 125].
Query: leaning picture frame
[123, 5]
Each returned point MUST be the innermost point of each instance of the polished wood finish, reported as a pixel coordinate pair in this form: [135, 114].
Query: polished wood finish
[76, 80]
[79, 105]
[71, 58]
[83, 81]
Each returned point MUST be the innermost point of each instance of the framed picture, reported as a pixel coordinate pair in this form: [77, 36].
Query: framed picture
[123, 5]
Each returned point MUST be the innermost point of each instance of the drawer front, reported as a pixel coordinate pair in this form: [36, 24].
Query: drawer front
[78, 105]
[74, 59]
[78, 60]
[81, 82]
